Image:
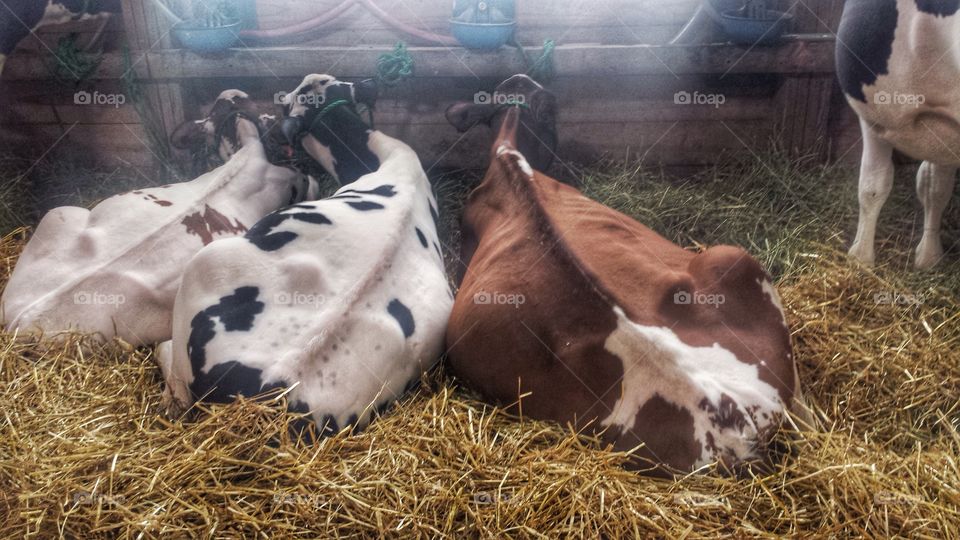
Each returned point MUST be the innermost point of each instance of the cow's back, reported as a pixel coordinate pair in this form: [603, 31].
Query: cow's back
[348, 298]
[115, 269]
[599, 329]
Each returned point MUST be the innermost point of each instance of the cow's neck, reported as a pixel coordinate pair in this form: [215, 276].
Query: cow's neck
[509, 174]
[349, 149]
[245, 134]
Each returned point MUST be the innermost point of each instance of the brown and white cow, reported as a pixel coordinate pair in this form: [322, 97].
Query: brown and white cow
[115, 270]
[600, 322]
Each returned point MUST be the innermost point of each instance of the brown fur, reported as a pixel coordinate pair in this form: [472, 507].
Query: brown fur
[573, 260]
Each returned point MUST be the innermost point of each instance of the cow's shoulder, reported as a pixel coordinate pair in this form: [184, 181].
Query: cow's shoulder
[607, 249]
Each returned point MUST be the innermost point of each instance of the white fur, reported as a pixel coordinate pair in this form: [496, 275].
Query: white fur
[521, 161]
[322, 154]
[128, 246]
[657, 362]
[343, 351]
[771, 291]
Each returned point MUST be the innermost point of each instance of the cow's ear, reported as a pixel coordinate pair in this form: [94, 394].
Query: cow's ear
[221, 108]
[366, 92]
[464, 115]
[189, 134]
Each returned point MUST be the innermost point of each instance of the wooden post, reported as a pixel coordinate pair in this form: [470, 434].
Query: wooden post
[148, 30]
[805, 100]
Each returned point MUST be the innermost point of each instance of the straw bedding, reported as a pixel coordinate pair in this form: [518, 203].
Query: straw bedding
[84, 451]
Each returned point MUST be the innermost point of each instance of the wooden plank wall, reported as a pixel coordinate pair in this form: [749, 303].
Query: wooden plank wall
[35, 114]
[805, 102]
[609, 117]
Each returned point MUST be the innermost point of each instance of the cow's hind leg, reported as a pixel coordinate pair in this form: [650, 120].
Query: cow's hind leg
[176, 394]
[876, 181]
[934, 188]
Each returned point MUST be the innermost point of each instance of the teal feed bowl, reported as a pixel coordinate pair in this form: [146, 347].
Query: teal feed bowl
[206, 39]
[744, 31]
[485, 37]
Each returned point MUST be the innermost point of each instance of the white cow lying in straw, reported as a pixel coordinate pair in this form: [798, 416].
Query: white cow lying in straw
[114, 270]
[345, 300]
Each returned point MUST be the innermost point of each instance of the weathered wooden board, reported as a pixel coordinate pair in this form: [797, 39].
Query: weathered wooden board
[799, 56]
[101, 145]
[45, 40]
[616, 91]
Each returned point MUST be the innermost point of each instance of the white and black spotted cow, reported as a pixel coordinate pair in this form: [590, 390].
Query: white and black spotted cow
[345, 300]
[20, 18]
[899, 67]
[115, 270]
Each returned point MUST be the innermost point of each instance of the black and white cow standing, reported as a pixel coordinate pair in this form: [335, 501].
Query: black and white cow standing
[344, 300]
[899, 65]
[115, 270]
[20, 18]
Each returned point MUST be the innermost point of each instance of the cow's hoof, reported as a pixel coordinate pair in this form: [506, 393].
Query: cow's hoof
[928, 256]
[861, 254]
[173, 409]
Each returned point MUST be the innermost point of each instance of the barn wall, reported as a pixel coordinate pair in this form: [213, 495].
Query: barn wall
[575, 21]
[616, 101]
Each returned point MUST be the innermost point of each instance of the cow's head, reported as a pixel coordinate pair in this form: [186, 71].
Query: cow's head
[233, 120]
[536, 132]
[321, 115]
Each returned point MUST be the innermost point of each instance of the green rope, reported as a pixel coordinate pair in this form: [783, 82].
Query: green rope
[71, 64]
[395, 67]
[542, 69]
[327, 110]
